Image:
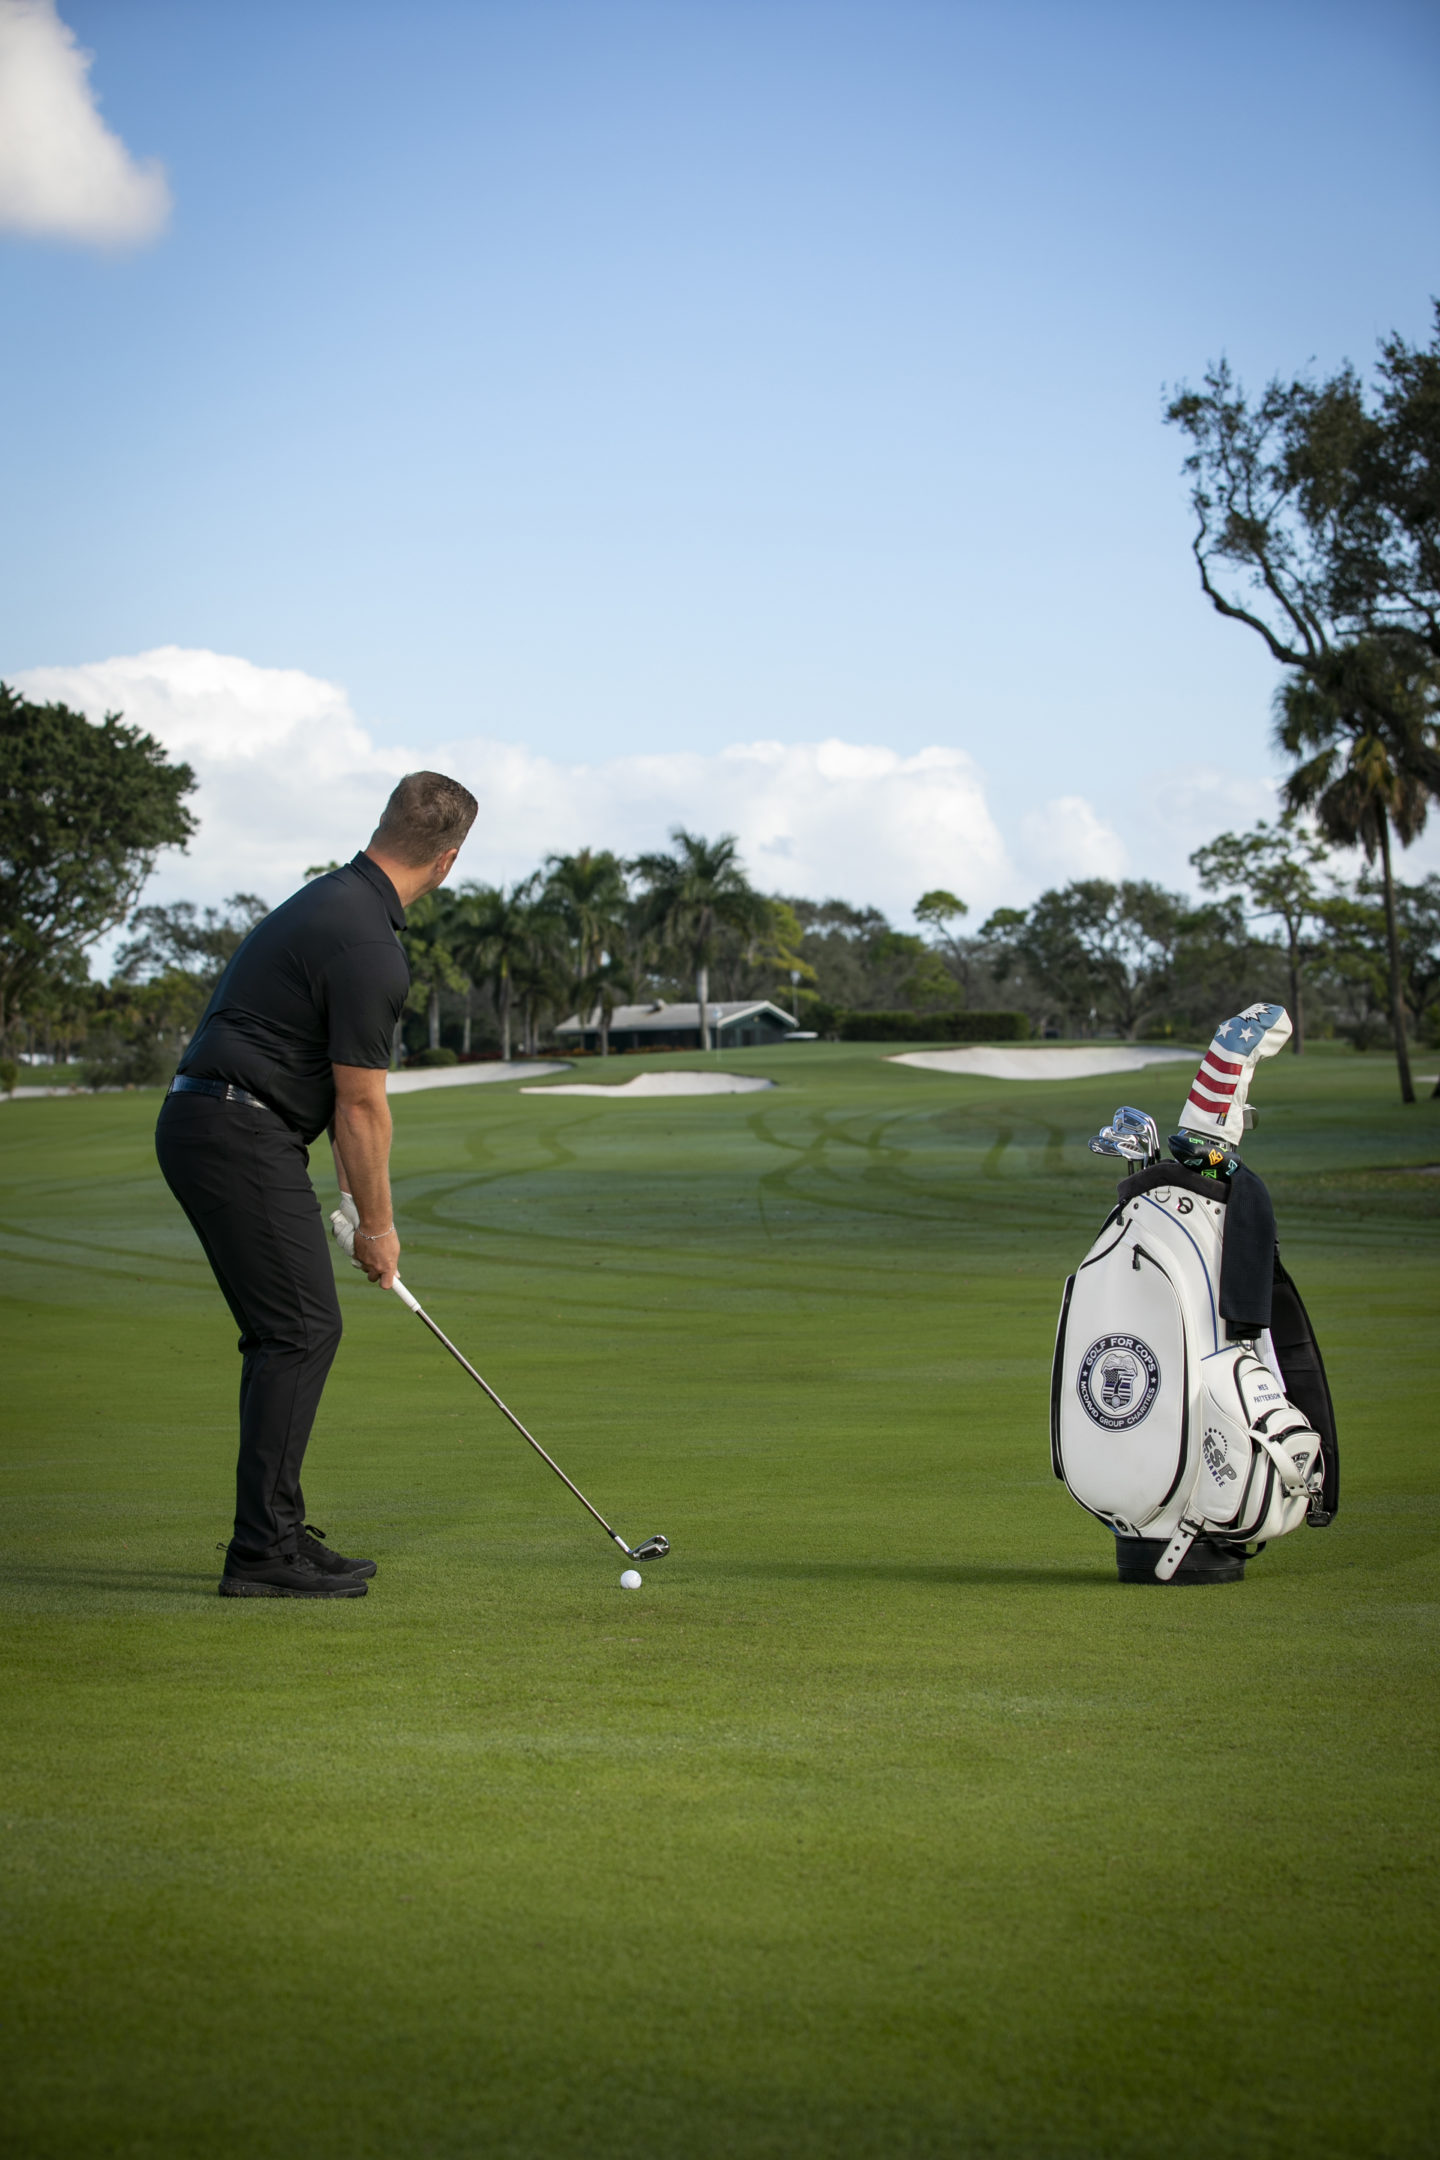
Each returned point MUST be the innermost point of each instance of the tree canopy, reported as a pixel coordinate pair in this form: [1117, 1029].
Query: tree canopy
[1317, 524]
[1274, 868]
[690, 896]
[84, 812]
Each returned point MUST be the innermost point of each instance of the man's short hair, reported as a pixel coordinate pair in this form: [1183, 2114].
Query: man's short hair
[426, 815]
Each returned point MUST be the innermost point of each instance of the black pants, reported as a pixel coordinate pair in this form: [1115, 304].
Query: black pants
[241, 1176]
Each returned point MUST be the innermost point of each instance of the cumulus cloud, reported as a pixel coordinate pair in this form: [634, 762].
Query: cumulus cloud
[63, 174]
[1067, 838]
[1189, 804]
[289, 777]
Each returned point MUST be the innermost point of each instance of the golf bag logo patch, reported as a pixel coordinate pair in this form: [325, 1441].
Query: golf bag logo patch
[1217, 1457]
[1118, 1381]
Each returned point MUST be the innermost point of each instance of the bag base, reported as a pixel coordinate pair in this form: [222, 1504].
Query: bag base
[1135, 1559]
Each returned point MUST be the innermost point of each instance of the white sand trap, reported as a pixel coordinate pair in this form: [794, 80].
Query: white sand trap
[645, 1085]
[1044, 1064]
[433, 1076]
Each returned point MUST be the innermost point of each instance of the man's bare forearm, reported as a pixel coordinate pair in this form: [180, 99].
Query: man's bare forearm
[362, 1157]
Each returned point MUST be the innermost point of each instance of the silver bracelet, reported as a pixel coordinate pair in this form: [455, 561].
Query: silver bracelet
[373, 1237]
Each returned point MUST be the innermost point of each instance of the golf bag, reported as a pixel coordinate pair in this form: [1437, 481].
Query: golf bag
[1189, 1409]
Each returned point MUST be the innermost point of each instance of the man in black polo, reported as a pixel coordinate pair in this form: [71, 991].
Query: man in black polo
[297, 1038]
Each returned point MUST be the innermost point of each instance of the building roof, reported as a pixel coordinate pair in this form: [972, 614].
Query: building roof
[658, 1019]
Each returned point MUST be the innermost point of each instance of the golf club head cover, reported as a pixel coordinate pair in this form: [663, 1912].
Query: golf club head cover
[1216, 1102]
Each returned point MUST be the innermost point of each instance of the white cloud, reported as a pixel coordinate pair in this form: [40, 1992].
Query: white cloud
[1067, 838]
[288, 777]
[1185, 806]
[63, 175]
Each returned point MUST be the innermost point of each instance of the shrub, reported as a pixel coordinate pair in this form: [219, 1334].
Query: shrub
[440, 1056]
[9, 1074]
[115, 1060]
[819, 1014]
[958, 1027]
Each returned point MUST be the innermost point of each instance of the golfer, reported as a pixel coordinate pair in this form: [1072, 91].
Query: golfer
[297, 1038]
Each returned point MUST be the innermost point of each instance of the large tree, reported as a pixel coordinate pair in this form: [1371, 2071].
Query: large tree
[1273, 867]
[433, 925]
[1102, 954]
[1317, 514]
[84, 811]
[690, 896]
[1354, 772]
[587, 894]
[187, 940]
[492, 938]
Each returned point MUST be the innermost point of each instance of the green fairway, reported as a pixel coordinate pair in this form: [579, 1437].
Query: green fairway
[881, 1821]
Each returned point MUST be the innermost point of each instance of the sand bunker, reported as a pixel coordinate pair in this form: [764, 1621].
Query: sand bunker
[645, 1085]
[428, 1076]
[1044, 1064]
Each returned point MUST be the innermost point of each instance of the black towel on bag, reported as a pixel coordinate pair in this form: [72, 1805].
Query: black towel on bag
[1247, 1264]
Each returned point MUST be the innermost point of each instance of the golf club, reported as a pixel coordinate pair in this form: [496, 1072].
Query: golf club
[653, 1548]
[1132, 1146]
[1134, 1124]
[1105, 1143]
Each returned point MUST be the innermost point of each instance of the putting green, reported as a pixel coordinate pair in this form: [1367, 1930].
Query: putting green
[882, 1821]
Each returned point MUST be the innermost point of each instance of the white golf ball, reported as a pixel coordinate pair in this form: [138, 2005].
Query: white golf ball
[630, 1580]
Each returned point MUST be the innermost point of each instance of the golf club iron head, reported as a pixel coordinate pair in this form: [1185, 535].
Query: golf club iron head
[1132, 1147]
[654, 1548]
[1105, 1143]
[1130, 1124]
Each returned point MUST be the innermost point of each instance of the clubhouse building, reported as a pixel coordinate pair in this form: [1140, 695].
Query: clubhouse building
[746, 1026]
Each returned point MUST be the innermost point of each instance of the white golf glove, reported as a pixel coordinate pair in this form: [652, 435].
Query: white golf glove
[342, 1229]
[349, 1210]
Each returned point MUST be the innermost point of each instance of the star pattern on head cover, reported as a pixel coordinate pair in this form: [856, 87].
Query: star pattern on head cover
[1236, 1036]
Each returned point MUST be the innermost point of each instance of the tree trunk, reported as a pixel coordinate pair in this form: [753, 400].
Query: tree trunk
[433, 1016]
[1392, 942]
[702, 997]
[1297, 1001]
[465, 1031]
[502, 999]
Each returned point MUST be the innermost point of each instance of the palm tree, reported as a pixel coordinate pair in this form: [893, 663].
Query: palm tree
[599, 992]
[492, 937]
[430, 923]
[691, 896]
[540, 972]
[587, 893]
[1366, 740]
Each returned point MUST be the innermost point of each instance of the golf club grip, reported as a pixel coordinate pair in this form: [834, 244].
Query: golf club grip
[481, 1382]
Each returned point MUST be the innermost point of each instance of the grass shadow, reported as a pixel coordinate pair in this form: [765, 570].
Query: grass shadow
[69, 1576]
[979, 1572]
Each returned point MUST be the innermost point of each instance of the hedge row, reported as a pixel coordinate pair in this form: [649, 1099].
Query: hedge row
[934, 1027]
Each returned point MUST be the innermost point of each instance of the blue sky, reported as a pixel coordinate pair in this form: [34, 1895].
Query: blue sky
[615, 380]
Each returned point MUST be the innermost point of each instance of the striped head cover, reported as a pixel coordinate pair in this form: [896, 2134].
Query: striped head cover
[1216, 1101]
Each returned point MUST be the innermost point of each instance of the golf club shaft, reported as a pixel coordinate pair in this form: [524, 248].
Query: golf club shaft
[482, 1382]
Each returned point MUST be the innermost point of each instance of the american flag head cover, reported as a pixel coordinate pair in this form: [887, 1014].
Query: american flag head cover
[1216, 1101]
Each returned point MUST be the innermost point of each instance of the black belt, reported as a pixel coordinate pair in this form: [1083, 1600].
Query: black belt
[182, 1084]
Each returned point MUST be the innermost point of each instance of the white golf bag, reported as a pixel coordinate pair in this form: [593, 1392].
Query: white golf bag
[1190, 1434]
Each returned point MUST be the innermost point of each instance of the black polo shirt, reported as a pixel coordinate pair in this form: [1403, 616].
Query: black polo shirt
[321, 981]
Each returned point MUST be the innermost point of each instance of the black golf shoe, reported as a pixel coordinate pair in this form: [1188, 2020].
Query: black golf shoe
[292, 1574]
[333, 1563]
